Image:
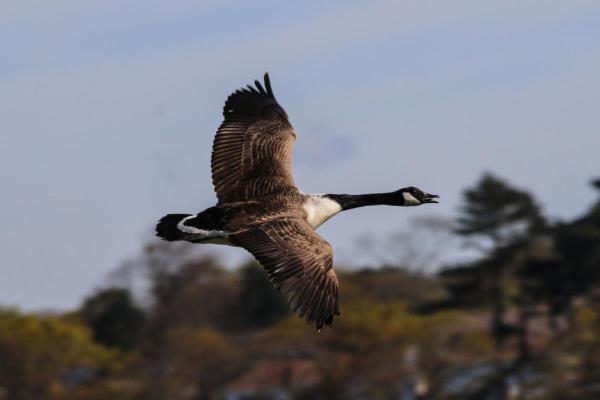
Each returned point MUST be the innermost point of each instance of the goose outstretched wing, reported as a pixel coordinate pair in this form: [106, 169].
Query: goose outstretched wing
[299, 262]
[251, 157]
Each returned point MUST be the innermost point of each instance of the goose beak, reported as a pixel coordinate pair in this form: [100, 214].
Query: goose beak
[429, 198]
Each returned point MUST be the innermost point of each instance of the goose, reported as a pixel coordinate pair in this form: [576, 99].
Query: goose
[260, 209]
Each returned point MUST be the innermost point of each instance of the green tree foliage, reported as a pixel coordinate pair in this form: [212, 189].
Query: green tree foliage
[578, 243]
[570, 267]
[529, 266]
[113, 318]
[41, 356]
[259, 303]
[495, 210]
[390, 283]
[200, 361]
[505, 218]
[212, 333]
[196, 292]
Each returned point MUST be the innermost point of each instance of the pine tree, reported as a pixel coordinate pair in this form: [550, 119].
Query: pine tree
[500, 219]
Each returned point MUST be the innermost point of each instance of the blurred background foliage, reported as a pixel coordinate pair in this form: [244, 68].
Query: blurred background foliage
[520, 320]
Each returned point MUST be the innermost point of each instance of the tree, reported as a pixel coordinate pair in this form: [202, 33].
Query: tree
[195, 292]
[499, 213]
[198, 362]
[41, 355]
[501, 219]
[259, 303]
[578, 243]
[113, 318]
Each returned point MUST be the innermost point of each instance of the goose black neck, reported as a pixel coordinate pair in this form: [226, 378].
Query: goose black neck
[350, 201]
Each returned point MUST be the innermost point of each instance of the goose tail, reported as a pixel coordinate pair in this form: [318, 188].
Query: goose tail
[167, 228]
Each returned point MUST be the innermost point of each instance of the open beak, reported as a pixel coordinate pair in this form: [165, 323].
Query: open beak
[429, 198]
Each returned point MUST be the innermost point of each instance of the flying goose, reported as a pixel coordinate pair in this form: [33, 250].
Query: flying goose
[260, 208]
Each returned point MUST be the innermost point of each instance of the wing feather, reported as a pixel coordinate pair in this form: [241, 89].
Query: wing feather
[299, 262]
[251, 156]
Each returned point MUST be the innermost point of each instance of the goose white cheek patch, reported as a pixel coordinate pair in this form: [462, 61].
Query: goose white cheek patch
[410, 200]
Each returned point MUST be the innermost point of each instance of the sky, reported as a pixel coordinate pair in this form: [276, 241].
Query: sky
[108, 110]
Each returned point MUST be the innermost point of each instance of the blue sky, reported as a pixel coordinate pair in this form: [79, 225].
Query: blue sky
[108, 111]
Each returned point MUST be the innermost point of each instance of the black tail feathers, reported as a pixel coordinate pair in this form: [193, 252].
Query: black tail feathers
[166, 228]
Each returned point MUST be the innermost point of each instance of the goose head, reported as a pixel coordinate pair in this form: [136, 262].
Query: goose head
[412, 196]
